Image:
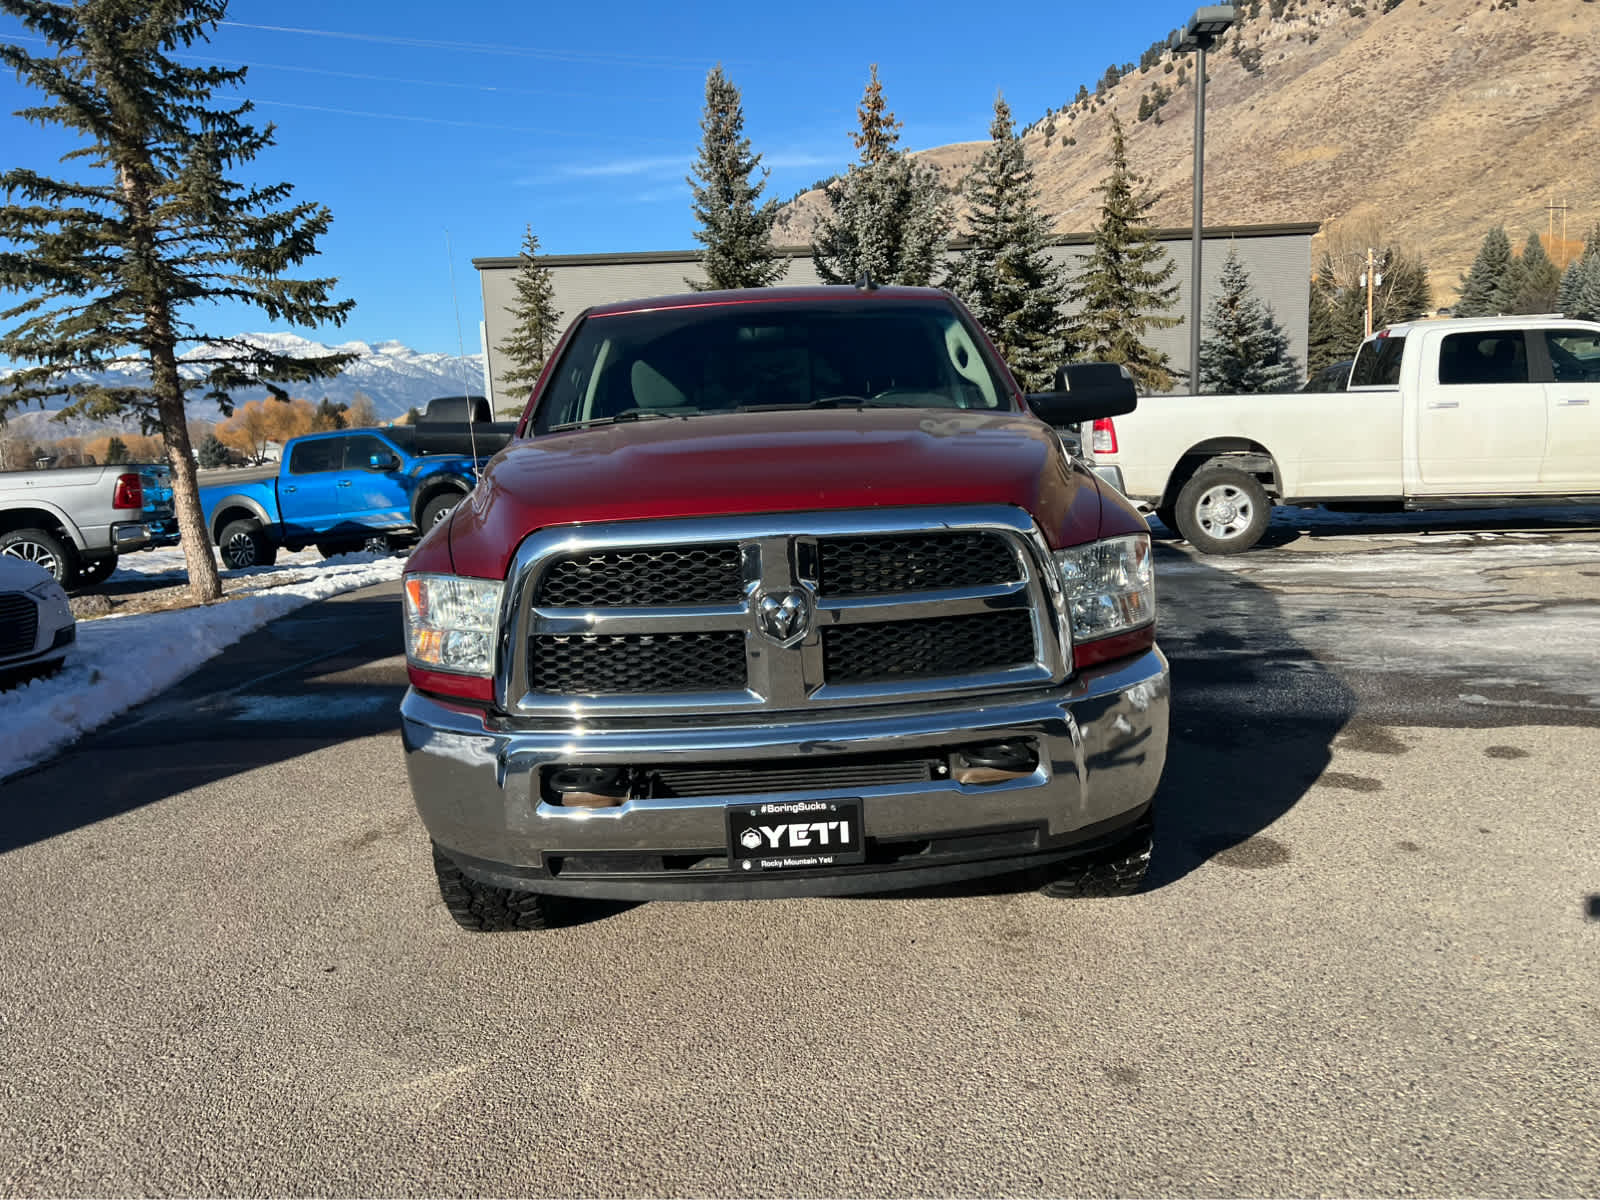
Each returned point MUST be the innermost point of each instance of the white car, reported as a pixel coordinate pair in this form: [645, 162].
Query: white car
[36, 625]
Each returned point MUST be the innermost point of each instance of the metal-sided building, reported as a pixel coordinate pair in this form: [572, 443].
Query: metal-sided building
[1277, 257]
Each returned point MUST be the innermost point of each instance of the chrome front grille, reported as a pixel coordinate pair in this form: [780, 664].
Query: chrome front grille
[790, 612]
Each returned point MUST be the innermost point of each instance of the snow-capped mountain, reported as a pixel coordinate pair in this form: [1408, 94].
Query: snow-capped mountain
[394, 375]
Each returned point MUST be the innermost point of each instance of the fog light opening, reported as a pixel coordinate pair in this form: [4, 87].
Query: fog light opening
[589, 787]
[993, 762]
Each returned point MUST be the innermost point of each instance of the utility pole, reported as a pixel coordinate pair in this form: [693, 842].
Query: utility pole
[1367, 278]
[1551, 209]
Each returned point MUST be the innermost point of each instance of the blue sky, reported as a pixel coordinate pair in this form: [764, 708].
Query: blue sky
[410, 119]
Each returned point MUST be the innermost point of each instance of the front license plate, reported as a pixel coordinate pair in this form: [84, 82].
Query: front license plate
[793, 835]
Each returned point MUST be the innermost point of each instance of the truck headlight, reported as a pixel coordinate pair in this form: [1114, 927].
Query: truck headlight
[451, 622]
[1108, 587]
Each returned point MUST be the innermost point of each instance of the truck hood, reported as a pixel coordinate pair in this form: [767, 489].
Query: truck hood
[781, 461]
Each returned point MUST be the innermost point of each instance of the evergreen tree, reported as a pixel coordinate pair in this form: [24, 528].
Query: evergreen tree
[1579, 295]
[213, 453]
[113, 264]
[887, 217]
[1323, 347]
[1123, 288]
[1248, 350]
[736, 233]
[116, 451]
[328, 417]
[1537, 279]
[1008, 279]
[1485, 288]
[535, 323]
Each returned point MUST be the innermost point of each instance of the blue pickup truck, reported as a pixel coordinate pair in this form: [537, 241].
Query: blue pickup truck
[338, 491]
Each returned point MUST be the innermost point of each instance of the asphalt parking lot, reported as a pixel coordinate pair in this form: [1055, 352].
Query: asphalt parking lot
[1365, 964]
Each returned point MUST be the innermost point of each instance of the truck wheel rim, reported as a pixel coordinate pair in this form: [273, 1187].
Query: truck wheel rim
[241, 551]
[38, 553]
[1224, 512]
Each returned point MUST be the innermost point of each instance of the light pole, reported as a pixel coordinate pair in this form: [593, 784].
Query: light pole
[1204, 28]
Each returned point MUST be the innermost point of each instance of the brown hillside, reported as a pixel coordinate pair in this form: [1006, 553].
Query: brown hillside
[1431, 123]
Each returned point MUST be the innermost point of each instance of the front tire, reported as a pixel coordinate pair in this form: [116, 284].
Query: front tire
[1120, 871]
[437, 509]
[485, 908]
[1222, 510]
[44, 550]
[245, 544]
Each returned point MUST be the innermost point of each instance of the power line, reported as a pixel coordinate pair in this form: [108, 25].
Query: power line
[622, 60]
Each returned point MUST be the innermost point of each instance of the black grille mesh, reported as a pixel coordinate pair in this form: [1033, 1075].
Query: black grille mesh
[910, 562]
[632, 663]
[643, 578]
[754, 778]
[19, 624]
[939, 646]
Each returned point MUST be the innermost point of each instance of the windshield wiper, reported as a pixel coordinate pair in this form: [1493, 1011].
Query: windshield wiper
[632, 414]
[843, 401]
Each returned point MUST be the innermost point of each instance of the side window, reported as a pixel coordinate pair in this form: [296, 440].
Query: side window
[1378, 363]
[1486, 356]
[358, 451]
[1574, 354]
[324, 454]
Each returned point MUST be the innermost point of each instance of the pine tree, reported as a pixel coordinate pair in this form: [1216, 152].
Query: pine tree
[113, 265]
[736, 234]
[1579, 295]
[213, 453]
[1485, 288]
[1537, 279]
[535, 323]
[116, 451]
[1248, 350]
[328, 417]
[1323, 347]
[1008, 279]
[887, 217]
[1123, 288]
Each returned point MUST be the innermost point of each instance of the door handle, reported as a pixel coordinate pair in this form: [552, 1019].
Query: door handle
[1444, 404]
[1572, 401]
[344, 483]
[291, 488]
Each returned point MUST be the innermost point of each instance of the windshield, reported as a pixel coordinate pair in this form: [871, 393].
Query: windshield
[730, 358]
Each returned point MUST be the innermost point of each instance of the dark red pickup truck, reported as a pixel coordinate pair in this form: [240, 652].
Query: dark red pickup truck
[784, 592]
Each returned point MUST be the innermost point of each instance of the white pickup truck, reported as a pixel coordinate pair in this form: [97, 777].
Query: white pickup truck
[1466, 413]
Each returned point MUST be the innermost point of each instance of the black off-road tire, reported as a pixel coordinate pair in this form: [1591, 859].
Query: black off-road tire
[1222, 510]
[235, 537]
[96, 570]
[484, 908]
[1120, 871]
[58, 557]
[437, 509]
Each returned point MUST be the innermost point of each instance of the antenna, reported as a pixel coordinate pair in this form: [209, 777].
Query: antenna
[461, 349]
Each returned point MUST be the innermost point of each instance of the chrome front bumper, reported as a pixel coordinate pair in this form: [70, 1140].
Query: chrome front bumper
[1102, 741]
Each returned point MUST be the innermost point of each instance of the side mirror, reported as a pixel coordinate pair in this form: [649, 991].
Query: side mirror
[1086, 392]
[383, 462]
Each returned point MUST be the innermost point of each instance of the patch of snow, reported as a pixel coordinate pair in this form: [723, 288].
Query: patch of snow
[121, 661]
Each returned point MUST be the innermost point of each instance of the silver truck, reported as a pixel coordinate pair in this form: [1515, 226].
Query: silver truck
[75, 521]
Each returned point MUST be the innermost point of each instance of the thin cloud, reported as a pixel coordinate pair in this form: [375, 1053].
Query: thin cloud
[623, 167]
